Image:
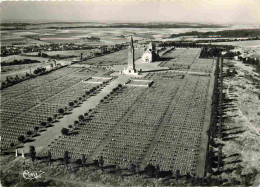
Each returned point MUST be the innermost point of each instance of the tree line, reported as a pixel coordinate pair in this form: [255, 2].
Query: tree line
[20, 62]
[226, 33]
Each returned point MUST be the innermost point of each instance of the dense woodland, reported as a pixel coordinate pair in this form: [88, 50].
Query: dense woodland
[20, 62]
[226, 33]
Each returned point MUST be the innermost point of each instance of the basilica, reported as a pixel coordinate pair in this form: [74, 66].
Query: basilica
[150, 54]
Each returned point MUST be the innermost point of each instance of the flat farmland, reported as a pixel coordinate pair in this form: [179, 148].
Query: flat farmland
[164, 124]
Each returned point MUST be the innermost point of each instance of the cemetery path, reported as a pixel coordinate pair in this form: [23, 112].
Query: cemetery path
[51, 133]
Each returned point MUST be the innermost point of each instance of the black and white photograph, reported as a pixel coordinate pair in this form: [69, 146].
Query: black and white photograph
[128, 93]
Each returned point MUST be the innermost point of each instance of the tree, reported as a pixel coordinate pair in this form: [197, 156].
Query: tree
[101, 161]
[157, 171]
[76, 122]
[219, 157]
[84, 160]
[17, 78]
[75, 101]
[220, 128]
[29, 133]
[11, 144]
[64, 131]
[32, 153]
[55, 116]
[132, 167]
[36, 71]
[86, 114]
[228, 72]
[49, 119]
[49, 157]
[93, 89]
[150, 170]
[95, 162]
[36, 128]
[27, 74]
[188, 177]
[81, 117]
[71, 104]
[118, 170]
[79, 162]
[70, 126]
[61, 111]
[8, 80]
[177, 175]
[21, 138]
[239, 169]
[43, 123]
[66, 158]
[3, 85]
[137, 169]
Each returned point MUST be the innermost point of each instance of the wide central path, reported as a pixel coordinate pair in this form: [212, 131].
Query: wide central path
[48, 136]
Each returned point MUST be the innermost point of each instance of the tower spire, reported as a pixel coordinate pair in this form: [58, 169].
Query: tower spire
[131, 55]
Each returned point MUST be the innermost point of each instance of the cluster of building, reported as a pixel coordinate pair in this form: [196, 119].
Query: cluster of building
[150, 55]
[14, 50]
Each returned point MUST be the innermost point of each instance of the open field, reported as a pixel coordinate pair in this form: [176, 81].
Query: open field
[108, 36]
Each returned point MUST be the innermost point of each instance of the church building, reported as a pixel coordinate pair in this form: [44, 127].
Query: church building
[150, 54]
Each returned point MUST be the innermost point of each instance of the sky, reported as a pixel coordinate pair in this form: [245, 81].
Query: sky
[192, 11]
